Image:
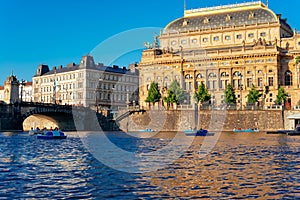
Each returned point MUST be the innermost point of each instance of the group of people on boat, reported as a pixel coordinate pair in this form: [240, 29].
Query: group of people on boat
[55, 131]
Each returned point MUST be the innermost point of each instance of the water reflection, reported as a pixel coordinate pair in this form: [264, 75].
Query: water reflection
[241, 166]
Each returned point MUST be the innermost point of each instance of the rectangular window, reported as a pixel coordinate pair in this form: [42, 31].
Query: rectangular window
[235, 83]
[251, 35]
[216, 38]
[249, 82]
[227, 37]
[239, 36]
[214, 84]
[194, 41]
[205, 39]
[263, 34]
[270, 81]
[222, 84]
[259, 82]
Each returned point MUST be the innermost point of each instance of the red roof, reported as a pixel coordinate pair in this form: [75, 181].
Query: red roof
[1, 87]
[28, 84]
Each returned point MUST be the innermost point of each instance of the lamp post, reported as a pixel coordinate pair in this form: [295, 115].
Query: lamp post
[241, 90]
[22, 85]
[97, 92]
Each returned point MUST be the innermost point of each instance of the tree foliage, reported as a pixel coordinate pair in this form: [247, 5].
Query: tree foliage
[297, 60]
[229, 97]
[281, 96]
[170, 98]
[153, 93]
[253, 95]
[177, 92]
[202, 94]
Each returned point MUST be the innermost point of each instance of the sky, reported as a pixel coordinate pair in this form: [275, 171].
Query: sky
[58, 32]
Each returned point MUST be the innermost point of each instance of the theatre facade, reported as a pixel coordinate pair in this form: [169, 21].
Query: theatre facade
[239, 44]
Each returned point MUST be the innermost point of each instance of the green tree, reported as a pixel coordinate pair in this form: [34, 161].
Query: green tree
[170, 98]
[153, 94]
[202, 94]
[281, 96]
[297, 60]
[253, 95]
[177, 91]
[230, 97]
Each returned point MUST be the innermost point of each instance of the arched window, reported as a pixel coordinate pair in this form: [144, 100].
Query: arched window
[212, 75]
[236, 74]
[188, 76]
[199, 76]
[224, 74]
[288, 78]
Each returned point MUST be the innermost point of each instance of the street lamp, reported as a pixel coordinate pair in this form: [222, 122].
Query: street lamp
[241, 90]
[22, 85]
[97, 92]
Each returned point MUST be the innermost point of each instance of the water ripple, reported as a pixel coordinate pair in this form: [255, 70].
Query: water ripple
[241, 166]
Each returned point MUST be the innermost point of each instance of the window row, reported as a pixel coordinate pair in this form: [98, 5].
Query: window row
[118, 78]
[218, 38]
[117, 87]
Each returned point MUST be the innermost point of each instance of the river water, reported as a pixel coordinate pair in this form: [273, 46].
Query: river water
[240, 166]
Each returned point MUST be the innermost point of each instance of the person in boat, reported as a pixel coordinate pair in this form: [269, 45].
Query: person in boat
[298, 127]
[56, 132]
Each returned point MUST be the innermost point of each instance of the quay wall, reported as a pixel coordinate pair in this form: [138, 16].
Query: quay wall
[227, 120]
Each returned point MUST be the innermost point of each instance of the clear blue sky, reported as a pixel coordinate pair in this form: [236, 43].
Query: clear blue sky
[57, 32]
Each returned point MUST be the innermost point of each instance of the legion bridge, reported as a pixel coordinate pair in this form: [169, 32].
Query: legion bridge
[66, 117]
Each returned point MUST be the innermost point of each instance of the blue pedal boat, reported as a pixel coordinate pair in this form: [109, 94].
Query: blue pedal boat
[52, 135]
[200, 132]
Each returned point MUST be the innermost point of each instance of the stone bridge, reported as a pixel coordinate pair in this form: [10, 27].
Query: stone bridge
[23, 116]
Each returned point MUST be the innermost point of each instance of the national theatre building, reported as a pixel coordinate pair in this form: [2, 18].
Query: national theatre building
[240, 44]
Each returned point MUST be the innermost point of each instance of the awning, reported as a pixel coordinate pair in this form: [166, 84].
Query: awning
[295, 116]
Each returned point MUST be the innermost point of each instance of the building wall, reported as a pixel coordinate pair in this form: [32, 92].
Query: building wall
[181, 120]
[260, 53]
[83, 84]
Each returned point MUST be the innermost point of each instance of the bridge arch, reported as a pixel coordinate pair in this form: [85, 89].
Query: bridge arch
[48, 117]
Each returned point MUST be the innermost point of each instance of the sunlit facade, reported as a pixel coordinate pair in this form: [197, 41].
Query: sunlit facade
[240, 44]
[86, 84]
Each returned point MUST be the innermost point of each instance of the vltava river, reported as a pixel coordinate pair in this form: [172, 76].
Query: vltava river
[240, 166]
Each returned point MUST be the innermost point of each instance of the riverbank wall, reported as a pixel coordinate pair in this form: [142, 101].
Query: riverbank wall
[214, 120]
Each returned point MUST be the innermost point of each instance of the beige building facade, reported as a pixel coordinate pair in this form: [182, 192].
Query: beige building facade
[240, 44]
[9, 92]
[86, 84]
